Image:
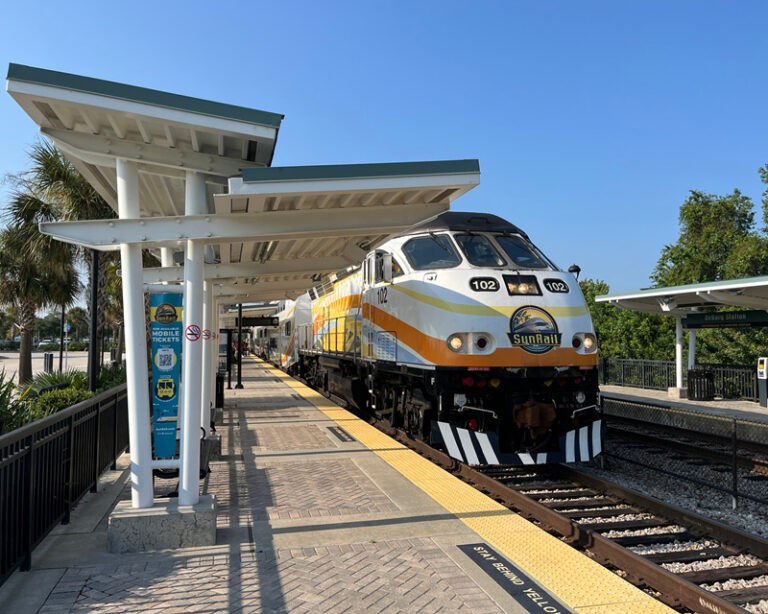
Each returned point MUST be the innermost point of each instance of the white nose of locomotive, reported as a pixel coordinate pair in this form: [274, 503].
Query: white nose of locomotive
[535, 311]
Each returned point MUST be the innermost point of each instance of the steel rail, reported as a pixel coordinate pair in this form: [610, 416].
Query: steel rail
[693, 451]
[674, 590]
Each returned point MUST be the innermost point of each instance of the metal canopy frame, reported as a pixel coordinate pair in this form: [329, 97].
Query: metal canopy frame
[172, 167]
[677, 301]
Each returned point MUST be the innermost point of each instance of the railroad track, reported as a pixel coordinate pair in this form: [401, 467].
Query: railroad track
[600, 517]
[750, 456]
[618, 528]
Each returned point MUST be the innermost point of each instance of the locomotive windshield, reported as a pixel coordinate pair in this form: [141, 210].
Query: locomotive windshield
[521, 253]
[479, 251]
[431, 252]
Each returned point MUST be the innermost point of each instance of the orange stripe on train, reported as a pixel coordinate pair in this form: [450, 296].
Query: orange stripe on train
[338, 307]
[436, 350]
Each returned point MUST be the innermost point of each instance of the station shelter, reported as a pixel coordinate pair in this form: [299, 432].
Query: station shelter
[191, 180]
[686, 304]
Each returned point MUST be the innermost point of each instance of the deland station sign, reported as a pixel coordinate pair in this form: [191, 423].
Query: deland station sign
[727, 319]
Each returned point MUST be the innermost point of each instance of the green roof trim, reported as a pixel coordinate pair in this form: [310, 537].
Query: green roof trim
[360, 171]
[663, 290]
[89, 85]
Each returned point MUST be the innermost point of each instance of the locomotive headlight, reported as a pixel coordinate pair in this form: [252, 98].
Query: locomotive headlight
[580, 397]
[455, 342]
[522, 285]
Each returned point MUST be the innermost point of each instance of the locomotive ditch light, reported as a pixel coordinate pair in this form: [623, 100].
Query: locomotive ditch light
[584, 343]
[455, 342]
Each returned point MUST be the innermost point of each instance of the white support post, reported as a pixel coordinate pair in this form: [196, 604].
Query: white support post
[189, 478]
[215, 350]
[691, 348]
[166, 257]
[679, 352]
[208, 344]
[137, 375]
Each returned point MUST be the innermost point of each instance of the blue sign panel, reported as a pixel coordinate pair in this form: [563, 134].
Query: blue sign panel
[165, 327]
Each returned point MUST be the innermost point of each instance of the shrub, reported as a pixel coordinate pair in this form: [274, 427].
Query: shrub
[47, 347]
[71, 378]
[56, 400]
[78, 346]
[13, 412]
[109, 377]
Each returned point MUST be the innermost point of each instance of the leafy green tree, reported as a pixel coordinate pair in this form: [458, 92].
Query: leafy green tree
[718, 240]
[78, 320]
[628, 334]
[48, 326]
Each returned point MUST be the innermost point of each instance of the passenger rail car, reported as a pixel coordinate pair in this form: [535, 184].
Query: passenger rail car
[463, 332]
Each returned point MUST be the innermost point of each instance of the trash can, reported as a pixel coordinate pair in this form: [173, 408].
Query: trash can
[48, 362]
[219, 389]
[701, 385]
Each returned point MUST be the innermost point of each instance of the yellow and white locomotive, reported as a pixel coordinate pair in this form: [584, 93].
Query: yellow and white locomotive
[463, 332]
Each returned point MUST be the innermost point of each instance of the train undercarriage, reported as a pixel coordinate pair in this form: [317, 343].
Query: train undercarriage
[491, 414]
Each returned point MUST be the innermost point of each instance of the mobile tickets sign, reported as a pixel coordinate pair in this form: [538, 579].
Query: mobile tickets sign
[166, 330]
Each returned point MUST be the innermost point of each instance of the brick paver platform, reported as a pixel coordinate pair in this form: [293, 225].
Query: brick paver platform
[308, 521]
[396, 576]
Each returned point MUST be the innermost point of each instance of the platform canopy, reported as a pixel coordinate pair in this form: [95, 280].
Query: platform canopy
[679, 301]
[270, 233]
[750, 292]
[95, 121]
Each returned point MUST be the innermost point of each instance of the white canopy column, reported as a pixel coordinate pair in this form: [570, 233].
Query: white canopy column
[691, 348]
[189, 481]
[208, 344]
[135, 342]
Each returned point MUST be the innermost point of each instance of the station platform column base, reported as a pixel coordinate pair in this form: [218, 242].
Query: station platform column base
[677, 393]
[165, 525]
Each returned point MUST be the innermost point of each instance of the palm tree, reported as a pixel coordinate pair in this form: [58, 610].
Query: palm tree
[25, 282]
[51, 190]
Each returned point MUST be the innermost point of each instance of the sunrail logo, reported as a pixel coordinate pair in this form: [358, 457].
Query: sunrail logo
[534, 330]
[166, 314]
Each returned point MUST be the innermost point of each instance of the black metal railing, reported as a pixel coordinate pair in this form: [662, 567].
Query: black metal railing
[730, 381]
[652, 374]
[48, 465]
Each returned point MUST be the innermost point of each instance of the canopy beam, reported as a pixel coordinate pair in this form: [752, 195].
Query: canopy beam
[107, 235]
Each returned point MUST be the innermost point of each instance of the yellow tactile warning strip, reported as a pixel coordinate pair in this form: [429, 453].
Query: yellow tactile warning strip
[579, 582]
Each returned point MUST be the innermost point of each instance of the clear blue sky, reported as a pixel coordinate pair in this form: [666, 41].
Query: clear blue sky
[591, 120]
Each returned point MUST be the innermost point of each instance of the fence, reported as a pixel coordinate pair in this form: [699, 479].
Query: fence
[47, 466]
[731, 381]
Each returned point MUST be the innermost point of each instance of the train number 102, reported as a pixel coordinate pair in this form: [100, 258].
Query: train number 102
[484, 284]
[556, 285]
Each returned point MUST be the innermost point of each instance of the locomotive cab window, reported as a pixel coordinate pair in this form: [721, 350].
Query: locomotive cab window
[431, 252]
[523, 254]
[479, 251]
[288, 328]
[384, 267]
